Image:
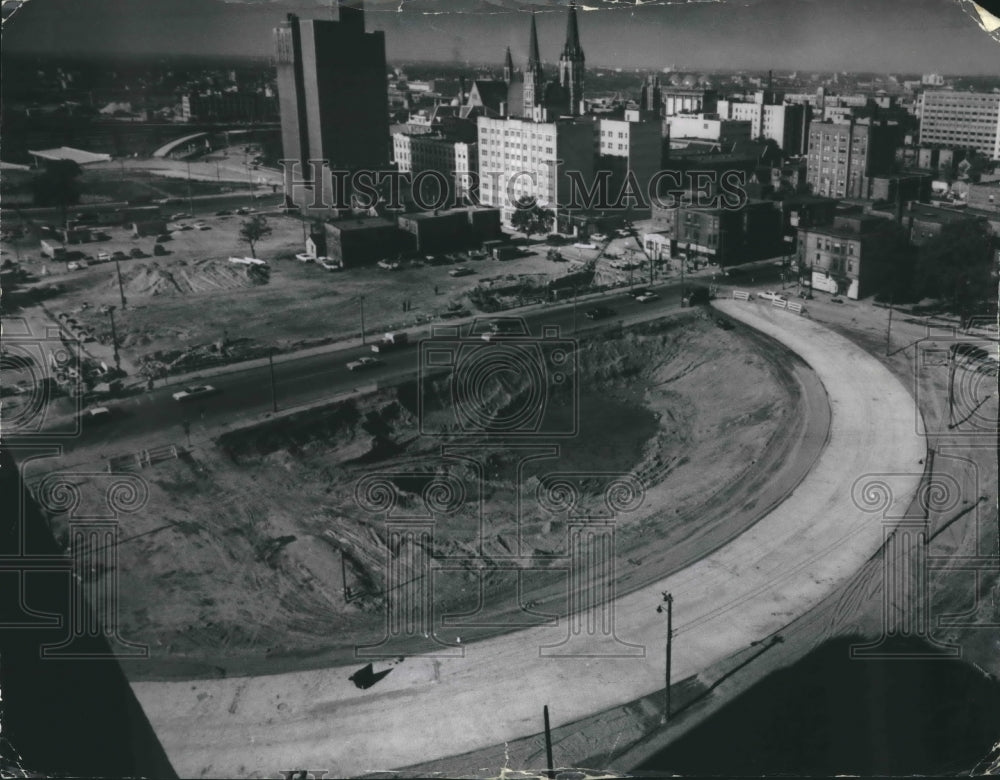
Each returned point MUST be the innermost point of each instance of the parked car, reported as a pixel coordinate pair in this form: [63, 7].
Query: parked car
[585, 246]
[770, 295]
[836, 300]
[599, 313]
[363, 363]
[302, 257]
[635, 293]
[460, 271]
[179, 215]
[95, 415]
[598, 237]
[647, 297]
[76, 265]
[194, 393]
[103, 257]
[330, 264]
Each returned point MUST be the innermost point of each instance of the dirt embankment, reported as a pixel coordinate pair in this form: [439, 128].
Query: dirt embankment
[240, 563]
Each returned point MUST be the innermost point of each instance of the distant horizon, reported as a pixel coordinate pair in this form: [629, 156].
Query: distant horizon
[236, 59]
[724, 36]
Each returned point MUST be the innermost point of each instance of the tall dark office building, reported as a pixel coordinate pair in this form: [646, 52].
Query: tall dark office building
[333, 99]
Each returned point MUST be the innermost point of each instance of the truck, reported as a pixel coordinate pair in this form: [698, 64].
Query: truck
[390, 341]
[696, 295]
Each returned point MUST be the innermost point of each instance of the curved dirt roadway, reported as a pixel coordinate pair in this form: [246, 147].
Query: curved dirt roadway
[433, 707]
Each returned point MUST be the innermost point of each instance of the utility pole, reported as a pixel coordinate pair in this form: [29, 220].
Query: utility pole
[684, 262]
[548, 743]
[668, 599]
[951, 388]
[343, 578]
[190, 201]
[574, 310]
[121, 288]
[888, 331]
[274, 388]
[114, 338]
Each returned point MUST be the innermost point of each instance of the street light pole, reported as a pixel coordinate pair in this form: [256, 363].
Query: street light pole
[669, 601]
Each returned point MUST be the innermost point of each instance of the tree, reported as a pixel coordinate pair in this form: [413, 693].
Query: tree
[57, 185]
[956, 266]
[529, 217]
[253, 230]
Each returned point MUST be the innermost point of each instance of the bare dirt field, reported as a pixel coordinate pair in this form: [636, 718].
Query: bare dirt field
[193, 297]
[235, 567]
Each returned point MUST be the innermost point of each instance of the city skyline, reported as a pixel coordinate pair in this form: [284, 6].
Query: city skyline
[850, 35]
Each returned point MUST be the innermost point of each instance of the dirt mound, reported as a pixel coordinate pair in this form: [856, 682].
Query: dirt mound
[205, 276]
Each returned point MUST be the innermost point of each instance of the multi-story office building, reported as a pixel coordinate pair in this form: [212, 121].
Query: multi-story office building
[850, 257]
[519, 158]
[333, 99]
[229, 107]
[709, 127]
[961, 119]
[842, 158]
[722, 235]
[676, 100]
[784, 123]
[457, 161]
[630, 145]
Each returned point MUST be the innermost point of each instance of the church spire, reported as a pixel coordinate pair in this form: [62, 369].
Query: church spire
[533, 76]
[508, 67]
[534, 58]
[572, 47]
[571, 64]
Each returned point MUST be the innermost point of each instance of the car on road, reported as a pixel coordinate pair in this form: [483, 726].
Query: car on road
[647, 297]
[585, 246]
[363, 363]
[460, 271]
[194, 392]
[179, 215]
[639, 291]
[76, 265]
[599, 313]
[770, 295]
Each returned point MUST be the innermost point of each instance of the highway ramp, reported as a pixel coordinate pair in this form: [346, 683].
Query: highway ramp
[430, 707]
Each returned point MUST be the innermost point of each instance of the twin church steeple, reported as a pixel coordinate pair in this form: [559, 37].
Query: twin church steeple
[567, 95]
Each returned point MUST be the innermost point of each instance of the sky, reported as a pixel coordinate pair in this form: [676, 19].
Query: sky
[884, 36]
